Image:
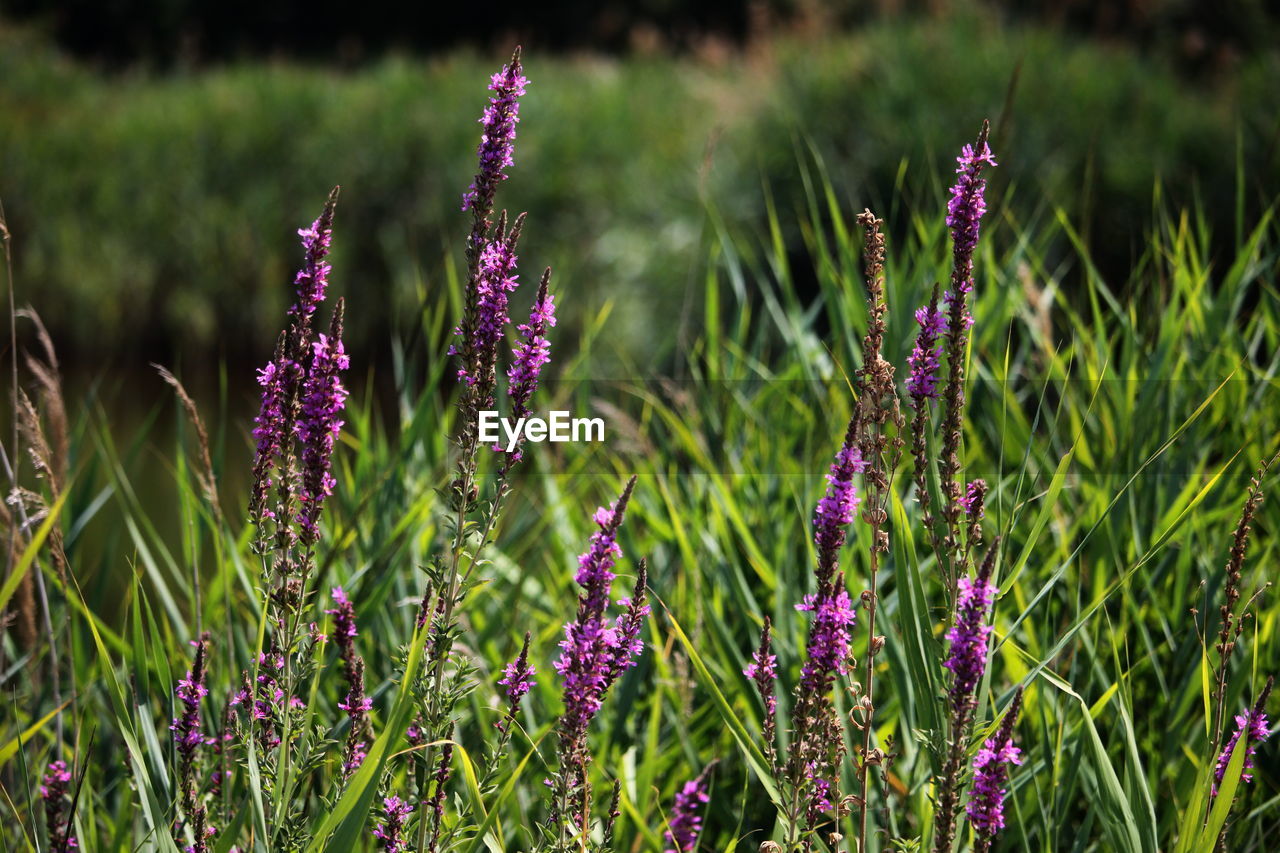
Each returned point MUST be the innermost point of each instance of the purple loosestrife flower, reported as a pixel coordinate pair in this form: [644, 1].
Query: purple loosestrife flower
[829, 636]
[832, 610]
[313, 279]
[685, 824]
[190, 690]
[390, 831]
[530, 355]
[628, 625]
[323, 399]
[497, 141]
[517, 678]
[967, 206]
[593, 654]
[991, 778]
[837, 507]
[55, 792]
[972, 502]
[964, 214]
[275, 380]
[355, 703]
[534, 350]
[967, 658]
[591, 647]
[1253, 725]
[763, 669]
[496, 280]
[282, 385]
[922, 383]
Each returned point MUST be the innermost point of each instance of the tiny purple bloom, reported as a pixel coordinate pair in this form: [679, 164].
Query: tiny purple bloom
[323, 398]
[389, 832]
[922, 384]
[55, 792]
[967, 658]
[837, 507]
[966, 208]
[829, 637]
[1254, 722]
[497, 141]
[991, 775]
[686, 824]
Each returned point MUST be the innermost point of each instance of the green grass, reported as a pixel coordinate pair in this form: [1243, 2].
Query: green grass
[1117, 421]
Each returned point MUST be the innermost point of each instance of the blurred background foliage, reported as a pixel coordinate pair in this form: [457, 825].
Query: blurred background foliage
[156, 157]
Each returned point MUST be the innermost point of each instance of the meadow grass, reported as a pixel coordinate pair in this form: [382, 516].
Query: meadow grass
[1117, 423]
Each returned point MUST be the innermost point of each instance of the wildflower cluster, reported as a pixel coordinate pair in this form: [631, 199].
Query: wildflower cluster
[299, 416]
[685, 823]
[355, 703]
[55, 793]
[593, 654]
[991, 778]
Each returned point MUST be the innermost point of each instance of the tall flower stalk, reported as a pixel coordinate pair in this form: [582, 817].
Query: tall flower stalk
[593, 654]
[813, 763]
[880, 424]
[303, 397]
[492, 277]
[188, 737]
[967, 661]
[991, 779]
[355, 703]
[965, 210]
[763, 670]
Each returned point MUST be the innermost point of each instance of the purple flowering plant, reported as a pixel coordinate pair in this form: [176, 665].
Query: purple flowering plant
[308, 731]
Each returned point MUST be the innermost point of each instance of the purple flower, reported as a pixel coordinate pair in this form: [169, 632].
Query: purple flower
[517, 678]
[55, 792]
[282, 379]
[312, 280]
[972, 502]
[967, 658]
[186, 726]
[819, 794]
[593, 652]
[497, 141]
[495, 280]
[389, 832]
[275, 380]
[763, 670]
[829, 636]
[355, 703]
[966, 208]
[1254, 723]
[530, 355]
[686, 824]
[922, 384]
[991, 776]
[837, 507]
[344, 622]
[323, 398]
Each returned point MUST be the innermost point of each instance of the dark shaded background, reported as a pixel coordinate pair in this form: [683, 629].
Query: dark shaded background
[184, 32]
[158, 154]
